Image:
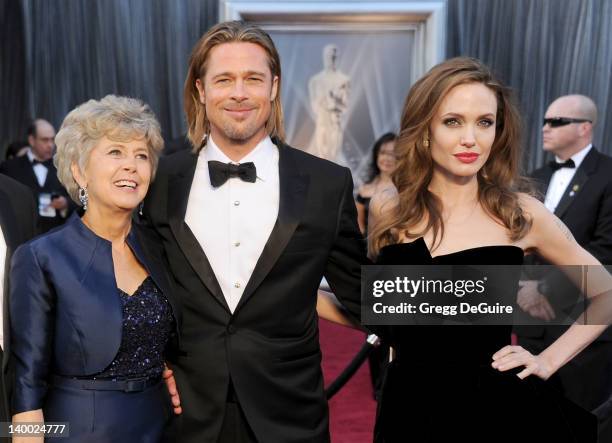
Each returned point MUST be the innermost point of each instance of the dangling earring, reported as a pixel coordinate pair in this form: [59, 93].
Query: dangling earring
[426, 143]
[83, 197]
[140, 206]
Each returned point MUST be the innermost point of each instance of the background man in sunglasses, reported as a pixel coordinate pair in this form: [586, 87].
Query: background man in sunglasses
[577, 186]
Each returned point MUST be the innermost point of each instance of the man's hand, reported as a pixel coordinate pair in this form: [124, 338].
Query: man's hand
[533, 302]
[59, 203]
[171, 386]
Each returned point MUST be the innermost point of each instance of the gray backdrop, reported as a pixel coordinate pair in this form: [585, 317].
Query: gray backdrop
[57, 54]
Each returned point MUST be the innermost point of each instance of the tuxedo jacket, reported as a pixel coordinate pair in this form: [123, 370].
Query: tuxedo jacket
[66, 312]
[586, 209]
[269, 346]
[21, 170]
[18, 216]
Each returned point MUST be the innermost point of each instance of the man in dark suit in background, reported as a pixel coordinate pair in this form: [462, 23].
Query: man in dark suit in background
[578, 188]
[37, 172]
[250, 226]
[17, 225]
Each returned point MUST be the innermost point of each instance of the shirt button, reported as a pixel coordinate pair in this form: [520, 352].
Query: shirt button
[236, 203]
[236, 285]
[237, 244]
[231, 329]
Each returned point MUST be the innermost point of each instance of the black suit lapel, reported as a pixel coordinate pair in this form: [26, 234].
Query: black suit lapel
[28, 173]
[293, 191]
[51, 178]
[140, 245]
[586, 168]
[179, 187]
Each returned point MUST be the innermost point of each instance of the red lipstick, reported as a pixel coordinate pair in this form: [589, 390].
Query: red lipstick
[467, 157]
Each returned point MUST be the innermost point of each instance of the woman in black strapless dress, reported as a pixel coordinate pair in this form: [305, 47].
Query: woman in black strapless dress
[455, 201]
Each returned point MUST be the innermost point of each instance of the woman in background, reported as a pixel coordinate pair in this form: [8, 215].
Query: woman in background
[382, 166]
[91, 313]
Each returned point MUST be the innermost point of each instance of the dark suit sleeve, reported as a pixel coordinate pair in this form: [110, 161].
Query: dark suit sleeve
[600, 244]
[30, 214]
[31, 305]
[348, 253]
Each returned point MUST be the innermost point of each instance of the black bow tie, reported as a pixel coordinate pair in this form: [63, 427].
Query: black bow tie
[45, 163]
[221, 172]
[566, 164]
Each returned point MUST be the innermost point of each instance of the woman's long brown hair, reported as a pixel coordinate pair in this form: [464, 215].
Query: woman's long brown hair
[498, 180]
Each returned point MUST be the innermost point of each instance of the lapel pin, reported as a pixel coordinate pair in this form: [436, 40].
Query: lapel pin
[574, 190]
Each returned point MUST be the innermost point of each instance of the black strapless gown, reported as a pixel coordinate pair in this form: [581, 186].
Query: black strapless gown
[441, 386]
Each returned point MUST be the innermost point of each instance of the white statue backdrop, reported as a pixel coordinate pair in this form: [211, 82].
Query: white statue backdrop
[343, 89]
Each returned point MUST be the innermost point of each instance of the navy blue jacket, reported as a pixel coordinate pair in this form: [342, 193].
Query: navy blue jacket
[65, 307]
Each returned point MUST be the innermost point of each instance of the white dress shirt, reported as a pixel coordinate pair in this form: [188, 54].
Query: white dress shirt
[2, 268]
[39, 170]
[233, 222]
[561, 178]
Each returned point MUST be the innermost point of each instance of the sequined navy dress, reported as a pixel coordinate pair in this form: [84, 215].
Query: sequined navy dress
[147, 324]
[441, 386]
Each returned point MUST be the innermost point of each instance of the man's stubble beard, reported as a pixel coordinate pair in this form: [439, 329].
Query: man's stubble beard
[240, 135]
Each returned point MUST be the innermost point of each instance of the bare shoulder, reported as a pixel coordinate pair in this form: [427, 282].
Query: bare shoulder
[531, 205]
[367, 190]
[544, 224]
[383, 200]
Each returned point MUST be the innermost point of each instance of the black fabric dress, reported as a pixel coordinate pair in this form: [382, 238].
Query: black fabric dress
[365, 201]
[441, 386]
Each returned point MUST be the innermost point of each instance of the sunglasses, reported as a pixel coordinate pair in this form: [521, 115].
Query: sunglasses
[555, 122]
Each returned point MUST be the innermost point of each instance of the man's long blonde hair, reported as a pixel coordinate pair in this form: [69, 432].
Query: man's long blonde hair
[227, 32]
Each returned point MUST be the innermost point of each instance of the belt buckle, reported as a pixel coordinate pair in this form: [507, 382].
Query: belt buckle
[135, 385]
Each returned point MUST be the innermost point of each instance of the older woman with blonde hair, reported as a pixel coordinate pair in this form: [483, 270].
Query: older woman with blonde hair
[90, 305]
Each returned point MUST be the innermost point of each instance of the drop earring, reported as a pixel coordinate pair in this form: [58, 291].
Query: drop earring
[83, 197]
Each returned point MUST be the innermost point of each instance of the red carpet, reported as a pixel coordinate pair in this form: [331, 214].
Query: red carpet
[352, 410]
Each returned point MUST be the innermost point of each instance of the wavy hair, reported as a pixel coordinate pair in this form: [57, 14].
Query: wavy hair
[227, 32]
[119, 118]
[498, 180]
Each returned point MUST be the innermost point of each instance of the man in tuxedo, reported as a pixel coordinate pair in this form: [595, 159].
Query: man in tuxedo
[37, 171]
[577, 187]
[17, 225]
[250, 226]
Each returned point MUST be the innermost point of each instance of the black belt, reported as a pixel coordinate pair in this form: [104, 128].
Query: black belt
[128, 385]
